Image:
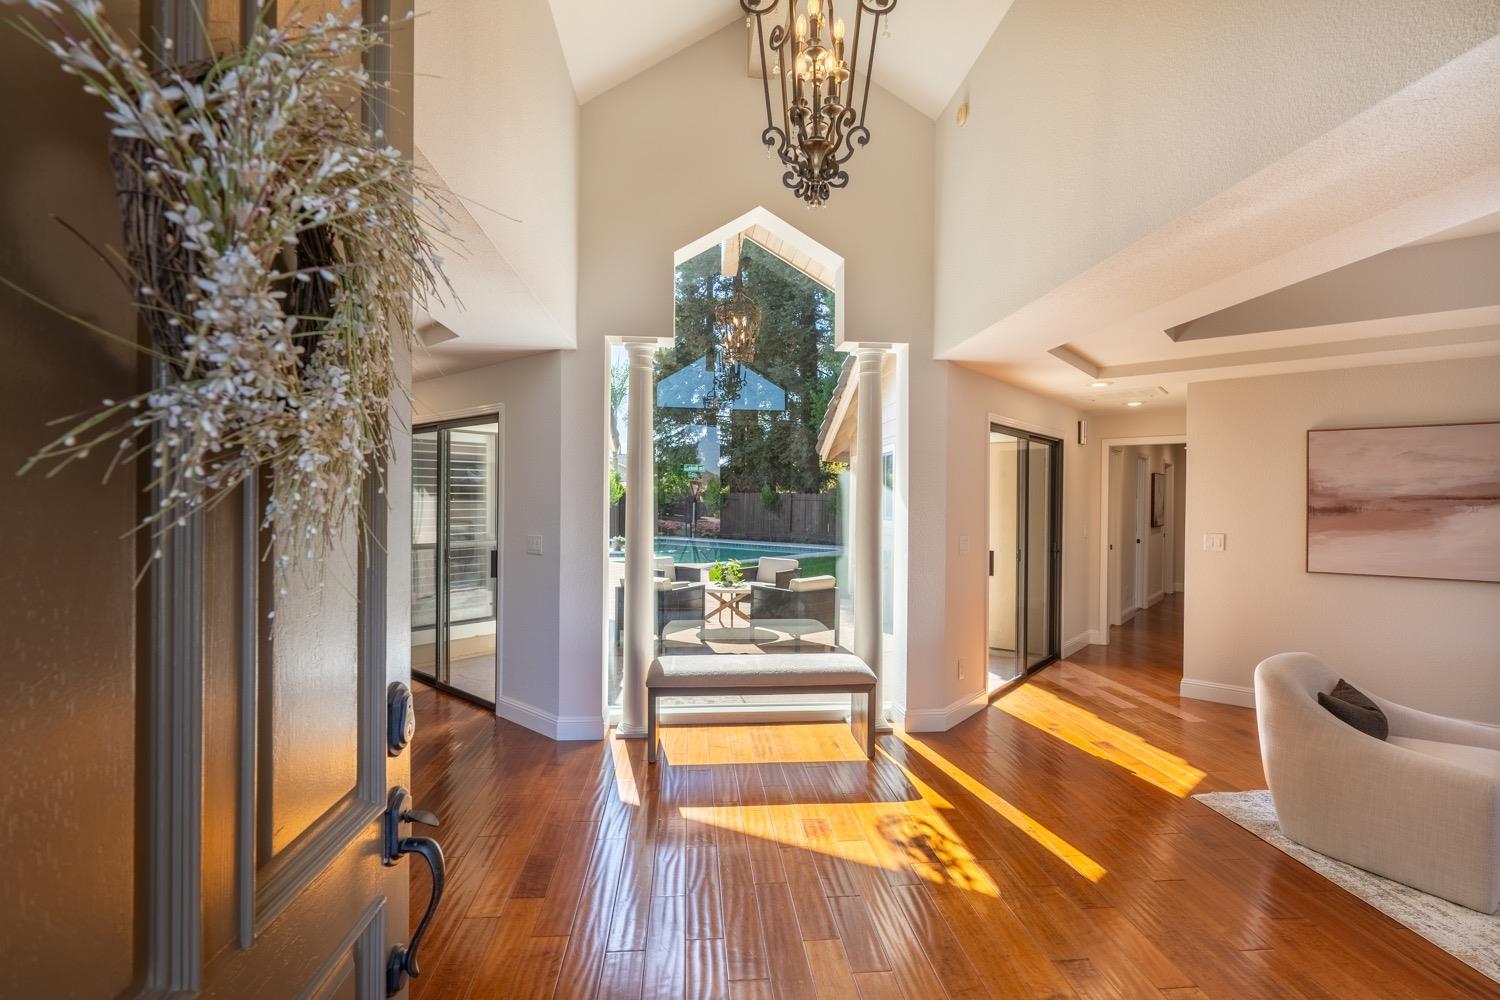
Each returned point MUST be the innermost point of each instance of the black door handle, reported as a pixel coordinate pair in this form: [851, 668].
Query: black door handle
[404, 960]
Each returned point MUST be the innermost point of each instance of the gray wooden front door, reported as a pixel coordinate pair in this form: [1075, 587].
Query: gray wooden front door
[194, 790]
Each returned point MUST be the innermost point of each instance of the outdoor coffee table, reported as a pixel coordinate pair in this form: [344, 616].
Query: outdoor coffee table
[728, 601]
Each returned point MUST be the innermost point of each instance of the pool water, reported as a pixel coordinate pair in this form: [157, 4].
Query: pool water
[708, 550]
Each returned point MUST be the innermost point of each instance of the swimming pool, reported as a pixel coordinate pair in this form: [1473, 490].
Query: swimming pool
[708, 550]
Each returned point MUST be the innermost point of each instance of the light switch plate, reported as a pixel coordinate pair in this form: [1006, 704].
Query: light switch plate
[533, 545]
[1213, 541]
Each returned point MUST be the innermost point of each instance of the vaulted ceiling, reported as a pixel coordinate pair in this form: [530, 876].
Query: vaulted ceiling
[923, 59]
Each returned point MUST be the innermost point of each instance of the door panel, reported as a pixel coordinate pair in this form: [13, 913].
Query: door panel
[1039, 547]
[309, 726]
[1025, 551]
[68, 609]
[455, 555]
[469, 520]
[424, 552]
[196, 790]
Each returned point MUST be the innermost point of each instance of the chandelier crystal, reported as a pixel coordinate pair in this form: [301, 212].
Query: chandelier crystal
[818, 86]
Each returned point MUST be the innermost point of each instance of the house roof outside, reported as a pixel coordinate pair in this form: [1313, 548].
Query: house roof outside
[689, 386]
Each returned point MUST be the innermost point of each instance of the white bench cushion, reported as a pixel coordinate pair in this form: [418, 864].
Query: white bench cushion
[769, 671]
[805, 583]
[769, 566]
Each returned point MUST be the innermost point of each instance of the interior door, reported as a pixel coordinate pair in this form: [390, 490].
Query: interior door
[1138, 548]
[198, 790]
[1042, 459]
[456, 556]
[1025, 559]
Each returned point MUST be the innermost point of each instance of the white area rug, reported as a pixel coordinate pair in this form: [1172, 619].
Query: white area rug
[1466, 934]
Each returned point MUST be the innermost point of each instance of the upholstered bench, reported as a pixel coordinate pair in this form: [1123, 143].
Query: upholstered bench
[801, 673]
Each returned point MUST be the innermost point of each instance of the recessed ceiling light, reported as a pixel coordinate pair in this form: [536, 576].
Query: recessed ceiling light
[1098, 385]
[1135, 402]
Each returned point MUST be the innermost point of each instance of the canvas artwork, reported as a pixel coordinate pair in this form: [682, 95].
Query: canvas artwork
[1405, 501]
[1158, 499]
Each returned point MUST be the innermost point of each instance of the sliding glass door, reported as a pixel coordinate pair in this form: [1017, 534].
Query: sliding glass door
[1025, 558]
[455, 556]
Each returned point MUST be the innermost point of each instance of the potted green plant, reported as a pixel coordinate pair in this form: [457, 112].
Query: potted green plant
[726, 573]
[617, 543]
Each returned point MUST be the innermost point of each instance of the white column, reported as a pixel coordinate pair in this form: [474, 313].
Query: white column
[867, 487]
[640, 537]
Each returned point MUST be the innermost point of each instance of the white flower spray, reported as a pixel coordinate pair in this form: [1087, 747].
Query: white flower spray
[254, 154]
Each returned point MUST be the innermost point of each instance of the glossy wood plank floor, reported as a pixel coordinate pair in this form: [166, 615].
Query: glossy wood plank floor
[1046, 847]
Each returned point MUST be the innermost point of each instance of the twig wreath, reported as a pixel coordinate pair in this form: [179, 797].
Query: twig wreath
[274, 249]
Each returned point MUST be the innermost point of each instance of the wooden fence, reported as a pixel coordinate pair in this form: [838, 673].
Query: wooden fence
[807, 518]
[804, 518]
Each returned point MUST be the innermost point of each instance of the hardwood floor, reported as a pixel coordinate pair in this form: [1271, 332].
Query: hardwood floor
[1046, 847]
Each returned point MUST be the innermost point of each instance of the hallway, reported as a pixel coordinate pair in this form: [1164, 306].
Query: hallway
[1046, 847]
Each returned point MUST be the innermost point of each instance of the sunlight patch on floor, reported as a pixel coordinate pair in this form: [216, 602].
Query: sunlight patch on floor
[905, 841]
[781, 743]
[1055, 845]
[1084, 730]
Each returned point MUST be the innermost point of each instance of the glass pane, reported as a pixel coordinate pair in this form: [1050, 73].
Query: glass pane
[747, 497]
[424, 528]
[1005, 554]
[1039, 542]
[472, 559]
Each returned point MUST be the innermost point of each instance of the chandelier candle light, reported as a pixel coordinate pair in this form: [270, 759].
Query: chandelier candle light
[819, 125]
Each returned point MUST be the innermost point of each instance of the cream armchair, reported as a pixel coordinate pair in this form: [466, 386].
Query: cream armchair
[1422, 808]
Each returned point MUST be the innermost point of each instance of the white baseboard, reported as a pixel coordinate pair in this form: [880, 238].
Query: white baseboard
[1076, 643]
[562, 729]
[940, 720]
[1224, 694]
[1179, 587]
[1152, 599]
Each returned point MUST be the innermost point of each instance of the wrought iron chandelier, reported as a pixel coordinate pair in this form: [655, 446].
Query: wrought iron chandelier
[819, 125]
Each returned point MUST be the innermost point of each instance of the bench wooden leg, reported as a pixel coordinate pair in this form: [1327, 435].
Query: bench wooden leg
[651, 734]
[862, 719]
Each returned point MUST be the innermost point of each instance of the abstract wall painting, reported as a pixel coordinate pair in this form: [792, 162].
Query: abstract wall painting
[1158, 499]
[1405, 501]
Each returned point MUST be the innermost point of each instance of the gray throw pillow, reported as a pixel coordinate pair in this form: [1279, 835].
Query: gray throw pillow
[1351, 705]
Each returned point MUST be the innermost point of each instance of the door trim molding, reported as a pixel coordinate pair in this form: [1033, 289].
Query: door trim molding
[174, 767]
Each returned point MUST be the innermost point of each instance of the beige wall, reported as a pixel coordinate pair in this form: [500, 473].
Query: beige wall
[674, 153]
[1093, 123]
[1432, 644]
[530, 627]
[955, 564]
[642, 199]
[497, 117]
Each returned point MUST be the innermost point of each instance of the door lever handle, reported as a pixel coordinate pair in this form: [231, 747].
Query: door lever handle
[404, 960]
[396, 813]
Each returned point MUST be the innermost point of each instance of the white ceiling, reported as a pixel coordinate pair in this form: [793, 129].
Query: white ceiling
[1294, 269]
[931, 45]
